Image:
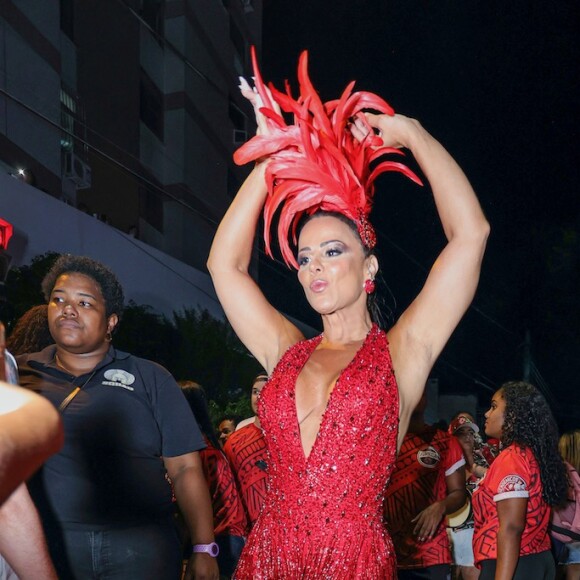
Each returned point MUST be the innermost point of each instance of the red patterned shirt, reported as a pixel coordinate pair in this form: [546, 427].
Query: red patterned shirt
[514, 473]
[229, 516]
[425, 460]
[246, 450]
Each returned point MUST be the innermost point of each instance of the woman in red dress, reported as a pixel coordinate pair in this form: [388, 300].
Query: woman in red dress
[332, 411]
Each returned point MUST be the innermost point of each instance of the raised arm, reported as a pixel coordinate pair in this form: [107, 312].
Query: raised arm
[262, 329]
[424, 328]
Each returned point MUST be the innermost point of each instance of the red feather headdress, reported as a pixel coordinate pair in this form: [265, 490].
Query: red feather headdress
[316, 163]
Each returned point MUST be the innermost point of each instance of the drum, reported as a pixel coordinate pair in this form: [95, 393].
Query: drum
[462, 516]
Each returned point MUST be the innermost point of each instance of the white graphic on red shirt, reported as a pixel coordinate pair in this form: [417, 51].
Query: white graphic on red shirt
[511, 483]
[428, 457]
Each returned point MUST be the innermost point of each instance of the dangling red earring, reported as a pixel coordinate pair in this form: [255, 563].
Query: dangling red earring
[369, 286]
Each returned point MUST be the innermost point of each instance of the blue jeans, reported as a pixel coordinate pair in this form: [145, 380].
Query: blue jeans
[147, 552]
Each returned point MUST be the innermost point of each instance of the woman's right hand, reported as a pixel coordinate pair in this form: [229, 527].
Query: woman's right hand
[251, 93]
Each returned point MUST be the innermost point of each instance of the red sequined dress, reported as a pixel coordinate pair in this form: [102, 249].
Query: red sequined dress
[323, 514]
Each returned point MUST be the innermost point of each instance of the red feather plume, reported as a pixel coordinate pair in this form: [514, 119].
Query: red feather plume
[316, 163]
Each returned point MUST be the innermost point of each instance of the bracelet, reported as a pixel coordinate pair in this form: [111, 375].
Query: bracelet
[212, 549]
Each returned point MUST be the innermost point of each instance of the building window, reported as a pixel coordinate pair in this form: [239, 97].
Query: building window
[153, 12]
[67, 18]
[239, 44]
[239, 121]
[73, 123]
[151, 208]
[68, 111]
[151, 105]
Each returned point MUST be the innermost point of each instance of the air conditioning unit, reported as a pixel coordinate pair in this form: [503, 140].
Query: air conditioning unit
[240, 136]
[77, 170]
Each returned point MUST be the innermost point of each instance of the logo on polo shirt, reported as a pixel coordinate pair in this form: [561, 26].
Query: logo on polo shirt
[428, 457]
[511, 483]
[119, 378]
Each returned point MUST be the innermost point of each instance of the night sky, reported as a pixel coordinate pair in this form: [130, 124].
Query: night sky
[498, 84]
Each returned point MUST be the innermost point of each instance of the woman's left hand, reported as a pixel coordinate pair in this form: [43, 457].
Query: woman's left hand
[394, 130]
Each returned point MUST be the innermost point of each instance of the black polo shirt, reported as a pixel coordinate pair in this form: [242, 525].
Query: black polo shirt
[129, 413]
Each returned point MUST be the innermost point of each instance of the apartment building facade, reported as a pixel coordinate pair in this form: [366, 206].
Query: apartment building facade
[129, 110]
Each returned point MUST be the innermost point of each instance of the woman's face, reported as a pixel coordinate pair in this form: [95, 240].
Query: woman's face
[77, 314]
[332, 265]
[494, 418]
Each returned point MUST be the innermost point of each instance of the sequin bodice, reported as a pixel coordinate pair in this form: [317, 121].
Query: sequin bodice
[331, 500]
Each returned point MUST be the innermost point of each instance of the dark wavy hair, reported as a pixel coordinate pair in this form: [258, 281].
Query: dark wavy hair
[528, 422]
[380, 313]
[111, 289]
[31, 332]
[197, 399]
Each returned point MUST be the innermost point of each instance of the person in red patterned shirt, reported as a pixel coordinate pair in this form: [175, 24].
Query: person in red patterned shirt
[229, 517]
[257, 386]
[428, 483]
[512, 503]
[246, 451]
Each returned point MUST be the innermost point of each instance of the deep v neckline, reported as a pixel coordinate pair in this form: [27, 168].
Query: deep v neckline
[331, 397]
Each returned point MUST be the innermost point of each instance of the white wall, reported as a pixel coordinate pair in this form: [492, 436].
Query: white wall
[42, 224]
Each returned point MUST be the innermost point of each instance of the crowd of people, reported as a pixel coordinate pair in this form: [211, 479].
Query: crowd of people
[336, 475]
[457, 505]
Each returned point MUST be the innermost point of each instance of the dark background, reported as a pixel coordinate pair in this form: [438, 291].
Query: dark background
[498, 84]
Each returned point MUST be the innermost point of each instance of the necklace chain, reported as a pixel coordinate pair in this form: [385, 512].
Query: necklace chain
[77, 388]
[59, 364]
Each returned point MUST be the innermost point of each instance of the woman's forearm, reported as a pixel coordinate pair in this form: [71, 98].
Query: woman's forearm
[233, 242]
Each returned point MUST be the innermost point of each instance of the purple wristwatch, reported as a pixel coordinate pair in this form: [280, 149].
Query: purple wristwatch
[212, 549]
